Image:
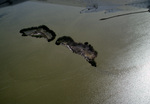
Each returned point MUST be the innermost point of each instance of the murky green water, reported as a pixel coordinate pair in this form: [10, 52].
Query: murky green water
[33, 71]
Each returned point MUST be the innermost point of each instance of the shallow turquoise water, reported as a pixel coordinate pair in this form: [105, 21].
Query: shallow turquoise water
[35, 71]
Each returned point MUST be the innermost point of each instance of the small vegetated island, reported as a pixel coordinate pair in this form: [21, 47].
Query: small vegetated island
[84, 49]
[39, 32]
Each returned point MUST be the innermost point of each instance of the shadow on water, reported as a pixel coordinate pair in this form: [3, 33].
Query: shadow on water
[9, 2]
[84, 49]
[91, 5]
[5, 3]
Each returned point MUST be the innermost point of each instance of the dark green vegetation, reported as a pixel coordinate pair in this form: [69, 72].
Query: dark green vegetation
[85, 50]
[39, 32]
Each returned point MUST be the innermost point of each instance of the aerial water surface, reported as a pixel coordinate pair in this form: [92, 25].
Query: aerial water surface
[34, 71]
